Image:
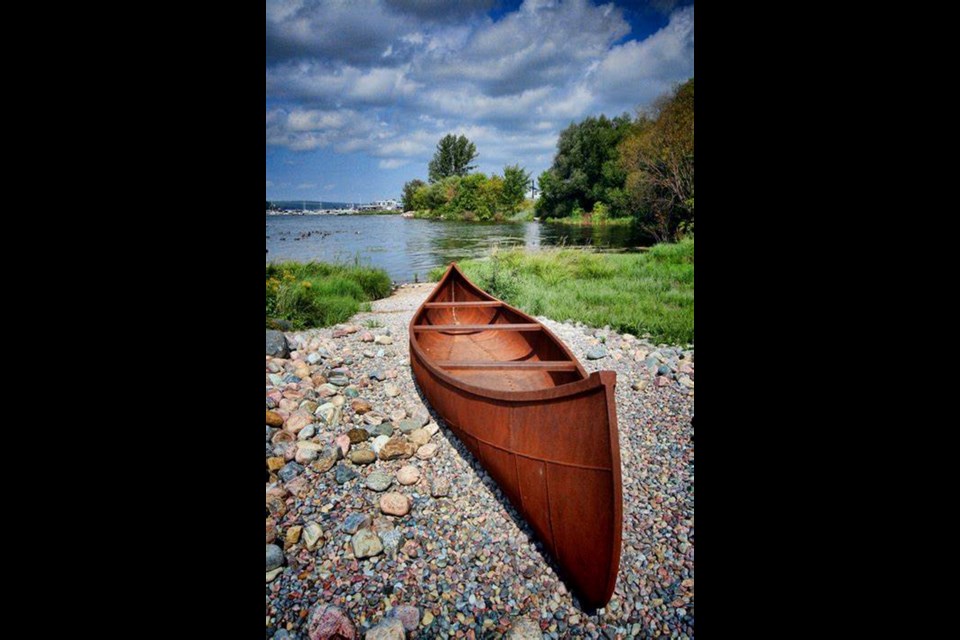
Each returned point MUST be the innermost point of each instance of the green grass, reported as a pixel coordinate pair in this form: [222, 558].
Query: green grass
[523, 215]
[586, 222]
[317, 294]
[638, 293]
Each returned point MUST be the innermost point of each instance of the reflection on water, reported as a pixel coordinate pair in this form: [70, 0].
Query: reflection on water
[407, 247]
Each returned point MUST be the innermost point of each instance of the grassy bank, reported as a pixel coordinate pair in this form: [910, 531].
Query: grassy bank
[317, 294]
[638, 293]
[587, 222]
[523, 215]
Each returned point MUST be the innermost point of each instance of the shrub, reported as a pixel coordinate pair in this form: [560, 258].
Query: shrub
[316, 294]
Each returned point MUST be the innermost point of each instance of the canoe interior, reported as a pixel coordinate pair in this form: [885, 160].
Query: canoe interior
[492, 346]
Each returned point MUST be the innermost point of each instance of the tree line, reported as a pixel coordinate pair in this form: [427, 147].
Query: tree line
[640, 168]
[621, 167]
[453, 192]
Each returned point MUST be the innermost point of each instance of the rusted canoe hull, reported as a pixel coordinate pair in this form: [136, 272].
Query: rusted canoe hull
[554, 452]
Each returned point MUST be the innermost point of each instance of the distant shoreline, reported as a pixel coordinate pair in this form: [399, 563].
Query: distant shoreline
[334, 213]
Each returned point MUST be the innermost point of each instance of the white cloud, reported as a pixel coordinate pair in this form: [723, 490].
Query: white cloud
[636, 72]
[308, 129]
[334, 85]
[393, 163]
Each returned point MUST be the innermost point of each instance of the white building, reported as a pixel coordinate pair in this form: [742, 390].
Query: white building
[384, 205]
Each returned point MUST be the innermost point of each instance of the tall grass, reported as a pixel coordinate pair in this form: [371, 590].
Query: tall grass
[639, 293]
[318, 294]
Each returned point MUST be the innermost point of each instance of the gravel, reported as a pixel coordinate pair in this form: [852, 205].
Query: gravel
[474, 567]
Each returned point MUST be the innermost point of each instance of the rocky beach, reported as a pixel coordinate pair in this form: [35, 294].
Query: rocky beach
[380, 524]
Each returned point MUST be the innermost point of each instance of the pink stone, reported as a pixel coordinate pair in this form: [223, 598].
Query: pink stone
[298, 421]
[297, 486]
[271, 530]
[408, 615]
[343, 441]
[427, 451]
[662, 381]
[282, 436]
[395, 504]
[408, 475]
[327, 622]
[366, 336]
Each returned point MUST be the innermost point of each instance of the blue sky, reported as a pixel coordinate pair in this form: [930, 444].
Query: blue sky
[358, 92]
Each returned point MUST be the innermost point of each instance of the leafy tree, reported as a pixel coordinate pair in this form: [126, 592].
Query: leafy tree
[515, 181]
[452, 157]
[491, 198]
[420, 201]
[466, 199]
[586, 168]
[408, 191]
[658, 159]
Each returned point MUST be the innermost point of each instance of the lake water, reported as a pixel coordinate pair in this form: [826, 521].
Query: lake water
[405, 247]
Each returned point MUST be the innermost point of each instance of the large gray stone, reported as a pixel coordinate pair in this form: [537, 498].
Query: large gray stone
[274, 557]
[277, 344]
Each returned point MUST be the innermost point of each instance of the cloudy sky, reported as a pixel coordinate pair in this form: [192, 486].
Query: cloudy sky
[360, 91]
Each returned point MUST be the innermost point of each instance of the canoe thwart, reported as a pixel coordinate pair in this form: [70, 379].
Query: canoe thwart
[476, 303]
[478, 327]
[548, 365]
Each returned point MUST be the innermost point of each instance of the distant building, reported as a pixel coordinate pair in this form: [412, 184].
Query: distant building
[381, 205]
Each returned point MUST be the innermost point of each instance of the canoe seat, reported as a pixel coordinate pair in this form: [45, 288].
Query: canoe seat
[532, 326]
[477, 303]
[549, 365]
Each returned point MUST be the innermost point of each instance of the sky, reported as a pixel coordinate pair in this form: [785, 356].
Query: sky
[359, 92]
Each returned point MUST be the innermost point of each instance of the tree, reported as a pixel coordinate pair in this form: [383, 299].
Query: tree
[658, 159]
[515, 181]
[452, 157]
[586, 168]
[409, 189]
